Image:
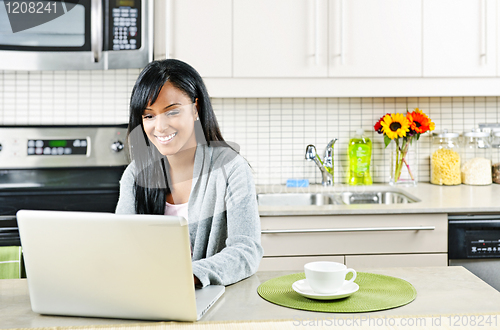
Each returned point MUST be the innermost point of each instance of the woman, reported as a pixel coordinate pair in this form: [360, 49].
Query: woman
[181, 165]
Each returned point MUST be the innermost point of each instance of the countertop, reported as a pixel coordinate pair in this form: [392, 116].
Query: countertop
[441, 292]
[432, 199]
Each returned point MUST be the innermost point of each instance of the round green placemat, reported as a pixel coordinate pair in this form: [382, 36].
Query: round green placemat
[376, 292]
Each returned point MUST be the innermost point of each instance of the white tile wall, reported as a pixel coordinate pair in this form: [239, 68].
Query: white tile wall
[272, 132]
[65, 97]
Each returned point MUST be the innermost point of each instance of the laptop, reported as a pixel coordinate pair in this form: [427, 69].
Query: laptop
[111, 266]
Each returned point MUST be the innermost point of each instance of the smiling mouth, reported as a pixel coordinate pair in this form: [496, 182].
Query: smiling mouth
[166, 139]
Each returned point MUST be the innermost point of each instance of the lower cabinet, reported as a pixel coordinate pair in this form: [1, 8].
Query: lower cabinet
[294, 263]
[397, 260]
[359, 241]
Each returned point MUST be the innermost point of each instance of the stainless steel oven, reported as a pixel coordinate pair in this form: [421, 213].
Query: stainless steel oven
[474, 243]
[75, 34]
[73, 168]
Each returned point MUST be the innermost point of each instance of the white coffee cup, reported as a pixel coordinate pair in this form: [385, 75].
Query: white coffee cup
[327, 276]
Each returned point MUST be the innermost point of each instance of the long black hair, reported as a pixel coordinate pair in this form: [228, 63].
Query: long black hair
[152, 169]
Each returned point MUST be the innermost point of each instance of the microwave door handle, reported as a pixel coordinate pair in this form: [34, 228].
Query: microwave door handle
[96, 28]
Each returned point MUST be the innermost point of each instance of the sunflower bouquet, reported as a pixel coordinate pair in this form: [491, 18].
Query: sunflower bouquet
[403, 130]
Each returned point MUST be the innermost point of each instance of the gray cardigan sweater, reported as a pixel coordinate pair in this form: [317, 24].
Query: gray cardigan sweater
[224, 223]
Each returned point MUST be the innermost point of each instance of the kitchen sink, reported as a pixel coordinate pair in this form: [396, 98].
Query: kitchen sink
[301, 199]
[333, 198]
[376, 197]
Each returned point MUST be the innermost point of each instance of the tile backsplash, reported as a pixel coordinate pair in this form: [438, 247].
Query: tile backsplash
[272, 132]
[65, 97]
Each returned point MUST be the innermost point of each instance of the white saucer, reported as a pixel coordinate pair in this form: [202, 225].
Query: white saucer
[303, 288]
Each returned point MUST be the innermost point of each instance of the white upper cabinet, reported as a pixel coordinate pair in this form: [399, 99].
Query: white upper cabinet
[319, 38]
[375, 38]
[460, 38]
[335, 48]
[200, 33]
[280, 38]
[498, 39]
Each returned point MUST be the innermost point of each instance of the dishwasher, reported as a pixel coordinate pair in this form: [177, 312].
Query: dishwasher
[474, 243]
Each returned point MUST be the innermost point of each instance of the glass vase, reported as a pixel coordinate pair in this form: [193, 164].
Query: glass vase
[404, 163]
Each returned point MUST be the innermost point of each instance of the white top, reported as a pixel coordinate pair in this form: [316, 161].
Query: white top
[177, 209]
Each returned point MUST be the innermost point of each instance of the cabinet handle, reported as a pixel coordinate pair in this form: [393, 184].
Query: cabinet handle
[4, 230]
[316, 29]
[473, 222]
[484, 30]
[96, 26]
[341, 230]
[7, 217]
[342, 32]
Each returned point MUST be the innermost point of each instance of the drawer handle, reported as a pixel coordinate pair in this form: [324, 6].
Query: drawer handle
[340, 230]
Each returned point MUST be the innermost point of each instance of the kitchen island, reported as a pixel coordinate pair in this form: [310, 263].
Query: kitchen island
[450, 294]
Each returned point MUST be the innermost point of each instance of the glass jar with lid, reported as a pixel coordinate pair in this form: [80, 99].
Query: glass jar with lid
[445, 158]
[494, 130]
[476, 158]
[495, 144]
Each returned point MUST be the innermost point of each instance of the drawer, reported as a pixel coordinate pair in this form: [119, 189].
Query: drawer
[357, 234]
[397, 260]
[293, 263]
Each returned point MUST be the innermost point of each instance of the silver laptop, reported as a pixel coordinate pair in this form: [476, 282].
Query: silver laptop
[110, 265]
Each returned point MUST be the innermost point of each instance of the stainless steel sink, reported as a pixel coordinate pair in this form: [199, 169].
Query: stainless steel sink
[375, 197]
[301, 199]
[333, 198]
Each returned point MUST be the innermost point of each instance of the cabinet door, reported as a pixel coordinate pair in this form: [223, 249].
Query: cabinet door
[397, 260]
[201, 35]
[375, 38]
[459, 38]
[293, 263]
[280, 38]
[354, 234]
[498, 39]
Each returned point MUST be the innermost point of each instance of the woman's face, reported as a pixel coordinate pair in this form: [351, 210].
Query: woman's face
[169, 122]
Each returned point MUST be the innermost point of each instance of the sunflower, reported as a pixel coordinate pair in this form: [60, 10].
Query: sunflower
[395, 125]
[419, 122]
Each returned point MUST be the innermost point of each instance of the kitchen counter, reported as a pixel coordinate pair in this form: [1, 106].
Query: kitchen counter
[432, 199]
[441, 292]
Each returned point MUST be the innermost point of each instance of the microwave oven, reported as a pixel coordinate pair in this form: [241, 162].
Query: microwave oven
[75, 34]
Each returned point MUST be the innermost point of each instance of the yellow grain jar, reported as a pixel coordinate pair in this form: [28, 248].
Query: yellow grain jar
[445, 159]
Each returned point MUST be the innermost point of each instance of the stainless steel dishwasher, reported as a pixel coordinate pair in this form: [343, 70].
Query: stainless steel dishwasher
[474, 243]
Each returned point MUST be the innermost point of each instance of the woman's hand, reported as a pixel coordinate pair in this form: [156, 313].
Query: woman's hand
[196, 280]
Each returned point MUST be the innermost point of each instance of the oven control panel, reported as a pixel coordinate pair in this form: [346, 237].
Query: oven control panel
[58, 147]
[62, 146]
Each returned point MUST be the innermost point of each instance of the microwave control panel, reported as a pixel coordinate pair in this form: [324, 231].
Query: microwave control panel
[124, 25]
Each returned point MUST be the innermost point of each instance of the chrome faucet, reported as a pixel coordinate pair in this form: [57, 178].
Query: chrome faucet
[325, 166]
